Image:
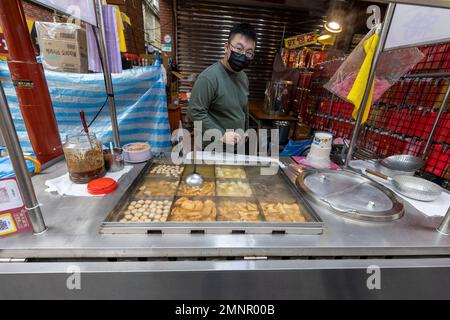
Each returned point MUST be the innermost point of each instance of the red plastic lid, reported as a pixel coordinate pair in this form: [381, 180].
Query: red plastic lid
[101, 186]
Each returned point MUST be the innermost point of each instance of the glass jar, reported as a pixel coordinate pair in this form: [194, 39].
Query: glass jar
[84, 157]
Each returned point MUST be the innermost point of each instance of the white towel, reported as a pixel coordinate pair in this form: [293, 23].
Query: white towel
[65, 187]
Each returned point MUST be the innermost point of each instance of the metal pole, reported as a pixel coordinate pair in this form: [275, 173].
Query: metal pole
[9, 133]
[330, 109]
[175, 19]
[282, 38]
[373, 67]
[30, 84]
[438, 117]
[444, 227]
[107, 72]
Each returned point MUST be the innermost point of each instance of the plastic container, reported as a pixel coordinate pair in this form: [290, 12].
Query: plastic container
[137, 152]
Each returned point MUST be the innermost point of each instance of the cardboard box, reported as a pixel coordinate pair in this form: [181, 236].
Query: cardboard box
[63, 47]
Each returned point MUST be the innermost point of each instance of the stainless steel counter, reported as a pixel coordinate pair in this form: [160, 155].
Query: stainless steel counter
[74, 224]
[402, 259]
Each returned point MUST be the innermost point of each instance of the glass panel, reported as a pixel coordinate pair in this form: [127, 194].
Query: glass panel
[229, 194]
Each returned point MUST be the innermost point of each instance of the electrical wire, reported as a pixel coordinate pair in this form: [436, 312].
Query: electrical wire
[102, 62]
[103, 67]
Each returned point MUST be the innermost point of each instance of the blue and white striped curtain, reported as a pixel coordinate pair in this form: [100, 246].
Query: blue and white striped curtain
[140, 100]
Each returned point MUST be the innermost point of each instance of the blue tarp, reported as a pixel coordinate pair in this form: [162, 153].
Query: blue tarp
[140, 101]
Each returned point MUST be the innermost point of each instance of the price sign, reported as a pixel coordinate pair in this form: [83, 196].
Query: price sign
[301, 40]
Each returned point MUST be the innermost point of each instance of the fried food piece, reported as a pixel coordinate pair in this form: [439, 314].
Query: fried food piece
[189, 210]
[152, 187]
[234, 189]
[246, 211]
[230, 173]
[282, 212]
[206, 189]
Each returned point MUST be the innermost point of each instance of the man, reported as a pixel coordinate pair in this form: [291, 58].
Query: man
[219, 97]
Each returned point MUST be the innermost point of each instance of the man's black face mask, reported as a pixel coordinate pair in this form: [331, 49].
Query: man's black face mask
[238, 61]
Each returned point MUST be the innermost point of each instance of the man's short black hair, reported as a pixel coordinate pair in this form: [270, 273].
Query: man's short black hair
[245, 29]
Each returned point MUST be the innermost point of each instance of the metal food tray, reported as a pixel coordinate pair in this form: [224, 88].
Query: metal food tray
[312, 225]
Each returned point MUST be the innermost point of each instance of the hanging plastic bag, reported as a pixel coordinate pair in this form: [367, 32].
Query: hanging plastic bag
[391, 66]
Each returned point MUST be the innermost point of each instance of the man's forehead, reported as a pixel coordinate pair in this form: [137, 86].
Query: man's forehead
[243, 40]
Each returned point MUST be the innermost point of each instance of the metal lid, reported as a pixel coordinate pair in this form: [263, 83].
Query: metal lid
[351, 194]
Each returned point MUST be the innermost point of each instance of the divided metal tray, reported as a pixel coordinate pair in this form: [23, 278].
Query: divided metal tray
[282, 188]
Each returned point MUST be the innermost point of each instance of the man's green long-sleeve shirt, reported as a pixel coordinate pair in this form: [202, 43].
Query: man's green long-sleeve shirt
[220, 99]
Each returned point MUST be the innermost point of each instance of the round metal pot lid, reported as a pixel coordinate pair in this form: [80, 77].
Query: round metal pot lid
[351, 194]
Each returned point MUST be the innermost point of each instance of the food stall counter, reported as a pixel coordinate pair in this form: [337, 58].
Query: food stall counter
[291, 265]
[75, 223]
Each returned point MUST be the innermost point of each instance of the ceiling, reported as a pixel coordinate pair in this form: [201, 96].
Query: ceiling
[319, 6]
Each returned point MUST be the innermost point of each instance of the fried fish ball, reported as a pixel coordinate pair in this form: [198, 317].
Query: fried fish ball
[150, 211]
[167, 170]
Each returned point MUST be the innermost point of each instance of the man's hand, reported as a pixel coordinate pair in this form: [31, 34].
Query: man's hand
[231, 138]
